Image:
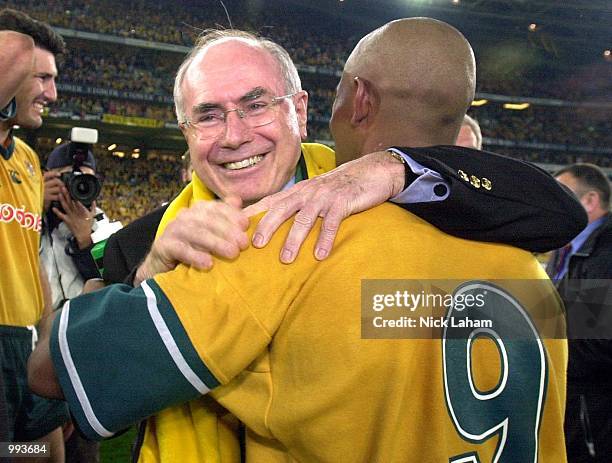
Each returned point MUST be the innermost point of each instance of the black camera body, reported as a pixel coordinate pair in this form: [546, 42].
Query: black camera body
[84, 188]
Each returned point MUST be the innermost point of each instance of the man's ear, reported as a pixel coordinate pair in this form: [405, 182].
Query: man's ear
[365, 103]
[590, 201]
[301, 109]
[183, 130]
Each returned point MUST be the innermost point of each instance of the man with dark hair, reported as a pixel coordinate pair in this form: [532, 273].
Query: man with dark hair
[582, 272]
[23, 284]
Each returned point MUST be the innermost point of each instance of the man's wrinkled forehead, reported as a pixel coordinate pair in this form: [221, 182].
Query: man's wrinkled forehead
[232, 66]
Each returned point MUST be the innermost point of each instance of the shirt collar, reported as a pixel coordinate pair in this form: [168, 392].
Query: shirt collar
[289, 184]
[301, 173]
[7, 148]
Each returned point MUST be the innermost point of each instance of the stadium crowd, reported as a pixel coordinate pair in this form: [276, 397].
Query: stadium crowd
[307, 46]
[117, 68]
[131, 191]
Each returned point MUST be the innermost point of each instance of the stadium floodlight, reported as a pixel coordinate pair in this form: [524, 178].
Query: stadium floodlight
[481, 102]
[516, 106]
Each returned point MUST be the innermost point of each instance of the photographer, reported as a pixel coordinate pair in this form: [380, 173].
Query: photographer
[68, 223]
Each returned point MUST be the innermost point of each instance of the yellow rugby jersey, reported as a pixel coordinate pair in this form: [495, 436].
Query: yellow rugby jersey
[280, 347]
[21, 199]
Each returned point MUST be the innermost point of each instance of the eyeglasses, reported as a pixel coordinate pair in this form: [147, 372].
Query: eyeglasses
[260, 111]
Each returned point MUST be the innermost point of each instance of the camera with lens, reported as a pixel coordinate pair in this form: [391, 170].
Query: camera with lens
[82, 187]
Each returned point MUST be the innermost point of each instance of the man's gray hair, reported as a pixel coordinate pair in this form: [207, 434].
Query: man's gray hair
[287, 68]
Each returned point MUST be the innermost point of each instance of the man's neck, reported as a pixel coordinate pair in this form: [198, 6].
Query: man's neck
[596, 215]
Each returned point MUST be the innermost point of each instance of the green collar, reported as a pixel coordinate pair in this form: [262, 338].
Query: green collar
[301, 173]
[7, 152]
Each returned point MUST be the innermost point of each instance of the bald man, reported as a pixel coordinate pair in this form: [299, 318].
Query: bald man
[283, 348]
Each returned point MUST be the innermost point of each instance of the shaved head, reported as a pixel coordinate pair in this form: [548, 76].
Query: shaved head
[419, 75]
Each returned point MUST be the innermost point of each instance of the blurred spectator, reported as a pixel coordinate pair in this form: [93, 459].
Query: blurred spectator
[582, 271]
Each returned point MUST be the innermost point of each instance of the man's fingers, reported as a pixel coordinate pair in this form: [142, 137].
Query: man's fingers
[208, 213]
[270, 202]
[55, 189]
[49, 176]
[273, 219]
[201, 260]
[59, 214]
[327, 235]
[222, 247]
[259, 207]
[203, 230]
[81, 209]
[304, 220]
[66, 201]
[211, 233]
[195, 257]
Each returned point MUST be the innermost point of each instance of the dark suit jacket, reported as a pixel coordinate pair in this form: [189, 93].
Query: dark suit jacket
[586, 292]
[499, 199]
[493, 198]
[127, 248]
